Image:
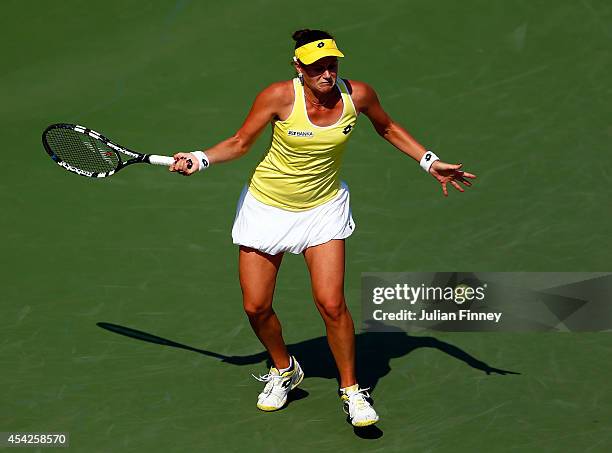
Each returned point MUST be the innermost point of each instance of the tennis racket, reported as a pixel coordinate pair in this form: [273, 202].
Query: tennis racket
[88, 153]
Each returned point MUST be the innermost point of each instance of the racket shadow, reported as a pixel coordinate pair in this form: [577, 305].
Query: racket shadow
[150, 338]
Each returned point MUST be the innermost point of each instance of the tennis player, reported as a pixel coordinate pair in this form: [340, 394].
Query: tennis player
[294, 202]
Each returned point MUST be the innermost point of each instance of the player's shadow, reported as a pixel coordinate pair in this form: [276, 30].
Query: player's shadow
[374, 351]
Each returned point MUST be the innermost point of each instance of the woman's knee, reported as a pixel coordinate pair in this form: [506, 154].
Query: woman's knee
[332, 308]
[254, 308]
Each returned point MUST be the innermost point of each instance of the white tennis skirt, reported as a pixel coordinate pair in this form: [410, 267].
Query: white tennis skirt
[273, 230]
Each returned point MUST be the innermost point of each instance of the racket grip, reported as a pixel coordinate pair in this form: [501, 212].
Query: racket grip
[160, 160]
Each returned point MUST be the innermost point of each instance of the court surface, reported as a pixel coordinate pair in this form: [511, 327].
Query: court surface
[519, 91]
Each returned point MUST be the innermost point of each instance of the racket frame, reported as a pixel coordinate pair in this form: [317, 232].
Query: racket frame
[136, 158]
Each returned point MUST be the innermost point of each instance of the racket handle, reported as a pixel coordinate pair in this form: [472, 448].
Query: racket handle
[160, 160]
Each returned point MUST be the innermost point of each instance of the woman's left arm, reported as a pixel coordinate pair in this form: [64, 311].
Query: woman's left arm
[367, 102]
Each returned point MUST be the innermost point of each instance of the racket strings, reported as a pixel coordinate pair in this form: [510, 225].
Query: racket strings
[82, 151]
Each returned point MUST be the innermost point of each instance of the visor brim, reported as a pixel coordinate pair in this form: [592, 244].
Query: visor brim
[314, 56]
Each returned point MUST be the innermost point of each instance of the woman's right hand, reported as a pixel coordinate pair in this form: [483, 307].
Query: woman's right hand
[185, 163]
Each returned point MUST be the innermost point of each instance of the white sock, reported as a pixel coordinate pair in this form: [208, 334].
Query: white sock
[281, 371]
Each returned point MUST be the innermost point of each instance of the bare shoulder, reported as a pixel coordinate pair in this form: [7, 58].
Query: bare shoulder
[279, 93]
[361, 93]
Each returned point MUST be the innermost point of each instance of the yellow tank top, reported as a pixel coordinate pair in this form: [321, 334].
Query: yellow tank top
[300, 170]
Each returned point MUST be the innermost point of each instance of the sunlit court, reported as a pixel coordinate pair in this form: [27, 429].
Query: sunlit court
[320, 227]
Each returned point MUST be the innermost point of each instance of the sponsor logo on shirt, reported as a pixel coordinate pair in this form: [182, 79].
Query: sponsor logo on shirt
[347, 129]
[306, 134]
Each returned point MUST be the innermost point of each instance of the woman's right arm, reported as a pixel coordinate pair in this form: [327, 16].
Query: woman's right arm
[266, 107]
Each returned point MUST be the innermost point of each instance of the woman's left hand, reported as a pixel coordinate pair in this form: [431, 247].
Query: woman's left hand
[450, 173]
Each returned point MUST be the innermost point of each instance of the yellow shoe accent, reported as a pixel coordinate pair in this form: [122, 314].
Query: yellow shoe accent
[267, 408]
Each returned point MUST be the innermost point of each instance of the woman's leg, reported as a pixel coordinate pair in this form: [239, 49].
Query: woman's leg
[326, 265]
[258, 272]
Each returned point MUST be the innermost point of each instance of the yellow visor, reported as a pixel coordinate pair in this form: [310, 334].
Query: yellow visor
[313, 51]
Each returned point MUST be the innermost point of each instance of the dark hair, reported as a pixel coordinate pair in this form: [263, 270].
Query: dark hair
[306, 35]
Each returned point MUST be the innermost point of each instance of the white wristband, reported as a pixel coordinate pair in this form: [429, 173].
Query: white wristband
[427, 160]
[203, 161]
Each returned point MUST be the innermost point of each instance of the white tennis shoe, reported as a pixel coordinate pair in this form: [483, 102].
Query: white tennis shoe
[274, 395]
[356, 405]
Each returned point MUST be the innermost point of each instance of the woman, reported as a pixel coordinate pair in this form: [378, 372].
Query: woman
[294, 202]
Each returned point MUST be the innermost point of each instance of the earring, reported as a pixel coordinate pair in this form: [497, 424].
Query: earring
[301, 78]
